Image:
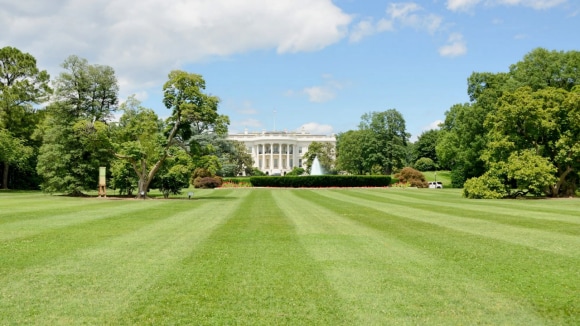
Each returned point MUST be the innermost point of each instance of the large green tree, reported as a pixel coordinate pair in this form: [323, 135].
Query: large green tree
[389, 139]
[22, 85]
[192, 113]
[425, 146]
[545, 123]
[352, 152]
[465, 139]
[75, 133]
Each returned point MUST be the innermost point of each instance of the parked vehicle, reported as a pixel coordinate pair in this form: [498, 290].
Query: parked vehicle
[435, 185]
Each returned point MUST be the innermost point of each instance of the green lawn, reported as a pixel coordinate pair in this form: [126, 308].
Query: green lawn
[289, 256]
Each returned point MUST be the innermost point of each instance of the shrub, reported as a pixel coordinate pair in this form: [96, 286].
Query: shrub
[484, 187]
[425, 164]
[412, 177]
[318, 181]
[296, 171]
[207, 182]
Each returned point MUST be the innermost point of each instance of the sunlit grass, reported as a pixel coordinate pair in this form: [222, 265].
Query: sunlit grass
[289, 256]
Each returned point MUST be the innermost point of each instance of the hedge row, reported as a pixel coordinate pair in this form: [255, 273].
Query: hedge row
[321, 181]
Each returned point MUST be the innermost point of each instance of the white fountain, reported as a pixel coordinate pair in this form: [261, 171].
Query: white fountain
[316, 169]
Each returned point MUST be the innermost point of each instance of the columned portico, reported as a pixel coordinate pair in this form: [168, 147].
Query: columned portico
[276, 153]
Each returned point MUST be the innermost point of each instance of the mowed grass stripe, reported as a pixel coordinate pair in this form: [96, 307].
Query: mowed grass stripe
[385, 281]
[250, 271]
[462, 218]
[25, 225]
[19, 210]
[555, 209]
[546, 281]
[96, 283]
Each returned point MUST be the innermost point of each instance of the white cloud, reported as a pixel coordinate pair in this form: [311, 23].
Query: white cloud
[246, 123]
[433, 125]
[320, 94]
[461, 5]
[247, 109]
[455, 46]
[407, 14]
[467, 5]
[316, 128]
[143, 40]
[362, 29]
[411, 15]
[535, 4]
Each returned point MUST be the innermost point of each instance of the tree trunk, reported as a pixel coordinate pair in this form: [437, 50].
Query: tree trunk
[556, 188]
[5, 176]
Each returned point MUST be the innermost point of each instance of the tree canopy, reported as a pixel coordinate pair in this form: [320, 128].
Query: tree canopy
[22, 86]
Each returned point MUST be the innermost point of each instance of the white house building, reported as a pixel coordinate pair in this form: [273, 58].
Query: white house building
[278, 152]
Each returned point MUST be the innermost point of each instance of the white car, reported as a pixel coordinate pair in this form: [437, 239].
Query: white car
[435, 185]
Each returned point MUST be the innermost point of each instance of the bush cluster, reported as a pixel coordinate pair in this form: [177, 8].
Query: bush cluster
[425, 164]
[484, 187]
[322, 181]
[412, 177]
[207, 182]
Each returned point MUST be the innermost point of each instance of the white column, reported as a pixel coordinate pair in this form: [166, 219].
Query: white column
[280, 157]
[254, 155]
[271, 157]
[263, 156]
[287, 156]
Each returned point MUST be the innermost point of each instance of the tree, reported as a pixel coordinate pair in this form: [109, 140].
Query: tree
[192, 112]
[325, 152]
[87, 91]
[389, 139]
[175, 173]
[352, 151]
[239, 158]
[139, 142]
[540, 125]
[542, 68]
[75, 133]
[13, 151]
[425, 146]
[425, 164]
[22, 85]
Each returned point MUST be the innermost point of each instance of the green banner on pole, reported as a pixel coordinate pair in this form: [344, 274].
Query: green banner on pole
[102, 176]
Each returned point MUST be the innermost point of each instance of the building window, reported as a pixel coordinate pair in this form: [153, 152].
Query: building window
[299, 149]
[275, 164]
[291, 149]
[299, 162]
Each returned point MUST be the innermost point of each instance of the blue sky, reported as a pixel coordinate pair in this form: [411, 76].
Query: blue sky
[288, 65]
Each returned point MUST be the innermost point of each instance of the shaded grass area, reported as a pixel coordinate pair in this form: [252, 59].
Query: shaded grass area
[289, 256]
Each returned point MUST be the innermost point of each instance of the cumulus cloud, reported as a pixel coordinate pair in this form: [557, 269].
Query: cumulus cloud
[412, 15]
[433, 125]
[461, 5]
[143, 40]
[246, 109]
[467, 5]
[455, 46]
[325, 92]
[405, 15]
[320, 94]
[316, 128]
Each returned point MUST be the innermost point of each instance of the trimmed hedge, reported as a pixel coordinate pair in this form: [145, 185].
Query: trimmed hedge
[322, 181]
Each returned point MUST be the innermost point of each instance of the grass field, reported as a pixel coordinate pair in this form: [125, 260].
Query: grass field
[290, 256]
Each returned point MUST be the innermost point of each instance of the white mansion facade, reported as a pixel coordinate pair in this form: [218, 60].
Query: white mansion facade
[278, 152]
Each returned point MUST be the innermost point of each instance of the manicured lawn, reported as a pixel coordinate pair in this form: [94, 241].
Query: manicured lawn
[289, 256]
